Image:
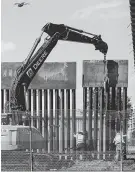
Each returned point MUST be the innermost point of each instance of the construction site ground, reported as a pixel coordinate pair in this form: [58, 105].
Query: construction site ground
[100, 165]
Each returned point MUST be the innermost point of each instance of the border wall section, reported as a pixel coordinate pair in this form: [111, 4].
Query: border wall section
[52, 102]
[101, 105]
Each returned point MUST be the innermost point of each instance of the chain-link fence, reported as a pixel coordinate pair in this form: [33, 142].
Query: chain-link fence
[49, 142]
[21, 161]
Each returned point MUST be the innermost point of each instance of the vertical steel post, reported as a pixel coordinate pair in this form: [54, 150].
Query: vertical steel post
[68, 117]
[101, 121]
[51, 119]
[9, 101]
[31, 155]
[121, 142]
[124, 119]
[29, 94]
[42, 118]
[40, 110]
[34, 108]
[84, 111]
[46, 119]
[37, 108]
[107, 108]
[119, 105]
[113, 115]
[57, 119]
[7, 106]
[90, 119]
[73, 117]
[62, 122]
[5, 99]
[84, 117]
[95, 117]
[2, 100]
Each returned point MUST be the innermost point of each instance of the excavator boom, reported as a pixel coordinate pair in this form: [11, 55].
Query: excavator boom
[75, 35]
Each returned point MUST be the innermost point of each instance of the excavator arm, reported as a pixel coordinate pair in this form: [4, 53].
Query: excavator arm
[75, 35]
[29, 68]
[26, 73]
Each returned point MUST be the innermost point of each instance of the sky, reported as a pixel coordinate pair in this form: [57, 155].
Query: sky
[110, 18]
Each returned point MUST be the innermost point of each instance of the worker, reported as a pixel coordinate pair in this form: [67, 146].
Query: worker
[117, 141]
[81, 145]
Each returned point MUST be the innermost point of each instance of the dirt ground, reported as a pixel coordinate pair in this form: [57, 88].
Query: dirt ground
[100, 165]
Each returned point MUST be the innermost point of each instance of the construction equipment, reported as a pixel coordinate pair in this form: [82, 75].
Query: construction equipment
[26, 72]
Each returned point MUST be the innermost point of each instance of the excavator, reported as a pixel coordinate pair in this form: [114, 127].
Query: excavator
[26, 72]
[28, 69]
